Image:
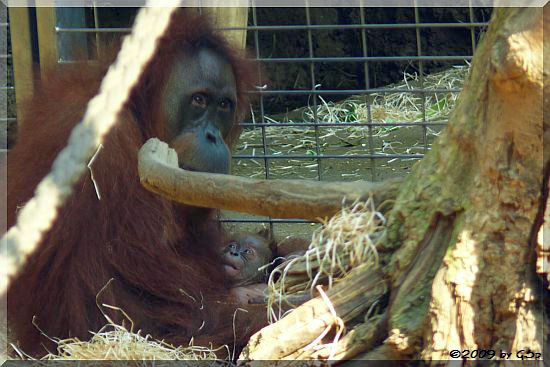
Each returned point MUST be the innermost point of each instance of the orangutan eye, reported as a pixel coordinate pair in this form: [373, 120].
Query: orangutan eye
[199, 100]
[226, 105]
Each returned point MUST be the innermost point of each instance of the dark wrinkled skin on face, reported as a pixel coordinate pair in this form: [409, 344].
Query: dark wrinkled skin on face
[200, 109]
[242, 257]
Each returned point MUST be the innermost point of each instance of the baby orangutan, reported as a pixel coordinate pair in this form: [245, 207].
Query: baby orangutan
[245, 254]
[247, 258]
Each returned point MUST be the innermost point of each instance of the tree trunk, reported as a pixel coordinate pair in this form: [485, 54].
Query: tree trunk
[461, 250]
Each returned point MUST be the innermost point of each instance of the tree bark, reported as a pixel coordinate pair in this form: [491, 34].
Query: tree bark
[460, 257]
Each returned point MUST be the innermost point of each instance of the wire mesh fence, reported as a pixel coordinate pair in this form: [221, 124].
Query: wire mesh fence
[355, 93]
[349, 94]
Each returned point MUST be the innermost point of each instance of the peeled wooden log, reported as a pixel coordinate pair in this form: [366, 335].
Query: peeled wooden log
[311, 200]
[349, 298]
[356, 341]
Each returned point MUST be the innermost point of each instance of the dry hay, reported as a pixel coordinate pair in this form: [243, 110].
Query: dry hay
[401, 105]
[116, 343]
[345, 241]
[385, 108]
[121, 344]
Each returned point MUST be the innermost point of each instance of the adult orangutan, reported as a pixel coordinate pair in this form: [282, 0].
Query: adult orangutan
[163, 258]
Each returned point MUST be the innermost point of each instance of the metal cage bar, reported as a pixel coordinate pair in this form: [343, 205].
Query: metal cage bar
[313, 87]
[364, 45]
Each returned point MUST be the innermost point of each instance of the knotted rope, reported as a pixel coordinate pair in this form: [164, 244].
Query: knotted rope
[39, 213]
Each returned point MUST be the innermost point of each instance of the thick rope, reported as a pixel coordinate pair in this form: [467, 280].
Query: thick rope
[39, 213]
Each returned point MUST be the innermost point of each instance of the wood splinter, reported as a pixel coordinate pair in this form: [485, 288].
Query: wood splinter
[311, 200]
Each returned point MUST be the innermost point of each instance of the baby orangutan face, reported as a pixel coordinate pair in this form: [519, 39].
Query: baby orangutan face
[243, 255]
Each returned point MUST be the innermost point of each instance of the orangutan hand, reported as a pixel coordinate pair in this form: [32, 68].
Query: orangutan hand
[253, 293]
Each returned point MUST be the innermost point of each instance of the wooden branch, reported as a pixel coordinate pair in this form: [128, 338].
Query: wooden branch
[159, 173]
[350, 297]
[361, 338]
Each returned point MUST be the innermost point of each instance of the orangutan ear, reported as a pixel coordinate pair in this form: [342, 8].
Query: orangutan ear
[265, 233]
